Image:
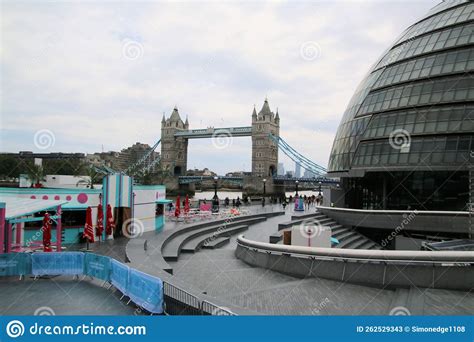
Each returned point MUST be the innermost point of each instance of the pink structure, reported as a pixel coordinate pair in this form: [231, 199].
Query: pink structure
[2, 226]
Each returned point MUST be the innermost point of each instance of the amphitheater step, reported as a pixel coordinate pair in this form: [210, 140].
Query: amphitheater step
[196, 243]
[172, 249]
[364, 244]
[351, 241]
[216, 243]
[276, 237]
[305, 216]
[343, 234]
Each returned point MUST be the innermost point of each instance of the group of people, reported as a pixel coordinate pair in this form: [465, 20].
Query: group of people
[309, 201]
[235, 202]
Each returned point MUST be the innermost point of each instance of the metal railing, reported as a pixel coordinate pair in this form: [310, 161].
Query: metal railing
[440, 258]
[181, 302]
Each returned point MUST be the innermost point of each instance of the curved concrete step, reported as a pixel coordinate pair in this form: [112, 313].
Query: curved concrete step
[338, 228]
[172, 249]
[323, 220]
[196, 243]
[305, 216]
[150, 245]
[350, 241]
[363, 244]
[216, 243]
[343, 234]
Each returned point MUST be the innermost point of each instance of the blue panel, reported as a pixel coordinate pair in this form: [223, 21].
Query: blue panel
[15, 264]
[119, 276]
[55, 263]
[97, 266]
[159, 222]
[146, 291]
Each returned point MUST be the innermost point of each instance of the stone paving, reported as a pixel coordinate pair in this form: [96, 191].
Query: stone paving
[60, 296]
[218, 273]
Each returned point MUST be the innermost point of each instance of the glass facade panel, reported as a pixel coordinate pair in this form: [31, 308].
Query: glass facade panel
[427, 66]
[427, 92]
[421, 88]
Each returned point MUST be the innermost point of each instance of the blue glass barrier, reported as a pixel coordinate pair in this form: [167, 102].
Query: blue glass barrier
[119, 276]
[15, 264]
[97, 266]
[70, 263]
[146, 291]
[143, 289]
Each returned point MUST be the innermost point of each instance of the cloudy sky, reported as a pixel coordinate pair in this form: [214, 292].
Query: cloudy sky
[100, 75]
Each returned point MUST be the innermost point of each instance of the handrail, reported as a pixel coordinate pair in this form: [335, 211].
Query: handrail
[384, 211]
[385, 256]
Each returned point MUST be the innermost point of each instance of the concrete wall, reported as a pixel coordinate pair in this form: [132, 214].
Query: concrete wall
[454, 276]
[253, 185]
[417, 221]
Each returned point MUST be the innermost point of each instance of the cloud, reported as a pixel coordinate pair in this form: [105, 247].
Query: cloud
[63, 68]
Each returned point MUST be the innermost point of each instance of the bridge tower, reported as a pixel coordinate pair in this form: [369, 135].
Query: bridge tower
[264, 150]
[174, 150]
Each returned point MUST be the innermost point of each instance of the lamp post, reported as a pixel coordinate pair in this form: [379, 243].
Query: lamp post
[319, 188]
[215, 187]
[264, 186]
[296, 182]
[215, 199]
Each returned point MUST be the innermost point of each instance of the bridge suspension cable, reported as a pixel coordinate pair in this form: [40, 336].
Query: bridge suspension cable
[298, 157]
[143, 159]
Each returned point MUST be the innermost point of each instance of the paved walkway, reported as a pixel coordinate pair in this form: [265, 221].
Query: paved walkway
[219, 274]
[60, 296]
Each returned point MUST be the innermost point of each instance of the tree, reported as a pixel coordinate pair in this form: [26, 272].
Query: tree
[36, 175]
[89, 176]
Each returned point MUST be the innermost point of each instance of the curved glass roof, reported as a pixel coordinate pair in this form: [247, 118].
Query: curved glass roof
[426, 74]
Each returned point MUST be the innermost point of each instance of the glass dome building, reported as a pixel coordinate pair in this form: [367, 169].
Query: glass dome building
[406, 137]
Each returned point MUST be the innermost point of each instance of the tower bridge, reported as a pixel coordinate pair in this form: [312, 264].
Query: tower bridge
[266, 142]
[175, 134]
[214, 132]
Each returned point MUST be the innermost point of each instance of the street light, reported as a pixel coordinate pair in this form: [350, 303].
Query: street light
[296, 187]
[215, 199]
[319, 188]
[215, 187]
[264, 188]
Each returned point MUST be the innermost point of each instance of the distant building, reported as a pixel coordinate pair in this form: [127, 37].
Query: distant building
[109, 159]
[203, 172]
[297, 170]
[309, 174]
[290, 174]
[281, 169]
[134, 153]
[235, 174]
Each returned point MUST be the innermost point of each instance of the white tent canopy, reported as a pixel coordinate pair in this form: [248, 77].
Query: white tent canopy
[16, 207]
